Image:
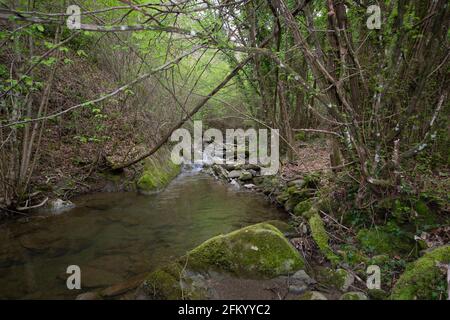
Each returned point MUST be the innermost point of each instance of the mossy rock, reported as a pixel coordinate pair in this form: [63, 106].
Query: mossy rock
[281, 225]
[291, 203]
[353, 296]
[158, 172]
[377, 294]
[422, 279]
[164, 283]
[312, 295]
[171, 282]
[302, 207]
[339, 279]
[383, 241]
[321, 238]
[257, 251]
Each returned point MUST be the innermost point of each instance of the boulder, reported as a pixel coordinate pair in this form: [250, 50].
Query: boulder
[234, 174]
[259, 250]
[256, 252]
[58, 205]
[423, 279]
[339, 279]
[353, 296]
[303, 277]
[245, 176]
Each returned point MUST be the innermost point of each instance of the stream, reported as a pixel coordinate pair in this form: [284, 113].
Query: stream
[113, 237]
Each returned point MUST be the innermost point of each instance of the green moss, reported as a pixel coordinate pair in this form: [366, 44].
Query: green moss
[312, 295]
[423, 279]
[352, 255]
[385, 240]
[312, 180]
[259, 250]
[283, 197]
[164, 283]
[377, 294]
[158, 172]
[292, 202]
[320, 236]
[425, 217]
[332, 278]
[172, 282]
[302, 207]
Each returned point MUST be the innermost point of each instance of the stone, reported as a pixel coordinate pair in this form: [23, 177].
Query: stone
[347, 279]
[234, 174]
[97, 278]
[235, 184]
[249, 186]
[245, 176]
[88, 296]
[303, 277]
[260, 250]
[353, 296]
[423, 279]
[229, 167]
[121, 288]
[313, 295]
[297, 288]
[58, 205]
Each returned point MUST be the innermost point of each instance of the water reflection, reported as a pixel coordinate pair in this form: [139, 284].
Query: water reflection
[115, 236]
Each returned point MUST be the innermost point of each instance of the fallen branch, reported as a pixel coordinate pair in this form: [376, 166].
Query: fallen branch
[33, 207]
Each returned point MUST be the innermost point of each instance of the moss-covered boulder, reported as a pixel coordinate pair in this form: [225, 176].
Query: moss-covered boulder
[423, 279]
[339, 279]
[256, 251]
[172, 282]
[158, 172]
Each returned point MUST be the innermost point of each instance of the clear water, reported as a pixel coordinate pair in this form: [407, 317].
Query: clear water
[115, 236]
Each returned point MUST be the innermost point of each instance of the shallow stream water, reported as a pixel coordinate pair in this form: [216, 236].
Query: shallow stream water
[113, 237]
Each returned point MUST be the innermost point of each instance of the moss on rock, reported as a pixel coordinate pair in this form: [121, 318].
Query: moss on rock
[172, 282]
[320, 236]
[353, 296]
[164, 283]
[259, 250]
[422, 278]
[158, 172]
[312, 295]
[302, 207]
